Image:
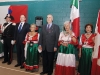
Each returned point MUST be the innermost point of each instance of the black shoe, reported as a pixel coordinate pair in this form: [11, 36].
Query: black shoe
[4, 62]
[17, 65]
[49, 74]
[21, 67]
[9, 63]
[42, 73]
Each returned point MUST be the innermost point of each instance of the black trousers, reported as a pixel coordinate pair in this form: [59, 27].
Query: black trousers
[20, 54]
[48, 60]
[8, 50]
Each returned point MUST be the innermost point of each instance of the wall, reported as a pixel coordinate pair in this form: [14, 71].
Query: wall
[60, 9]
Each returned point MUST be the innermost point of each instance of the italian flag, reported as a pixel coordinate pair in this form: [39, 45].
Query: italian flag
[96, 54]
[74, 17]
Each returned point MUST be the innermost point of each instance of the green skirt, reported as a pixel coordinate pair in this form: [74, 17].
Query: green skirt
[32, 57]
[85, 61]
[70, 49]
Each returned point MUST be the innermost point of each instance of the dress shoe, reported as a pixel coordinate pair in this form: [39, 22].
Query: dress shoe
[49, 74]
[42, 73]
[4, 62]
[9, 63]
[21, 67]
[17, 65]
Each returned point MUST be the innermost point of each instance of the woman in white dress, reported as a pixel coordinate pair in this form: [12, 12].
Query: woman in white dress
[65, 64]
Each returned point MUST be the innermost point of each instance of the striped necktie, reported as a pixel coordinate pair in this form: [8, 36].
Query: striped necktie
[20, 27]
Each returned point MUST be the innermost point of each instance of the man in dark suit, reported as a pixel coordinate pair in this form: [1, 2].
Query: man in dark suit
[8, 35]
[48, 43]
[21, 30]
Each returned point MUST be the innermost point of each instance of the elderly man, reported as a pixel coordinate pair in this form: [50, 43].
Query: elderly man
[21, 30]
[48, 43]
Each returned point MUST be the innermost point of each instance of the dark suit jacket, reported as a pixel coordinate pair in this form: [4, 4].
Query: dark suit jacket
[20, 36]
[8, 32]
[49, 39]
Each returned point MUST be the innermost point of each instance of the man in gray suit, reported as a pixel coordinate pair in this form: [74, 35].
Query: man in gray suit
[48, 43]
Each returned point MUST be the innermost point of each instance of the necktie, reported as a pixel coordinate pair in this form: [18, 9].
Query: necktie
[20, 27]
[48, 27]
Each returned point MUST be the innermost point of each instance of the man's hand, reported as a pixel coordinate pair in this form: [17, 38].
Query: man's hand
[55, 49]
[40, 47]
[2, 41]
[14, 41]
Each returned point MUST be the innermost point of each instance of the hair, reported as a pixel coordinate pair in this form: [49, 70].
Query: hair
[23, 15]
[66, 22]
[36, 27]
[33, 25]
[51, 16]
[90, 26]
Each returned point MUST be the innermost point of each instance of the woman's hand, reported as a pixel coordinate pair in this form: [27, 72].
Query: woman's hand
[80, 53]
[93, 38]
[74, 39]
[28, 41]
[65, 44]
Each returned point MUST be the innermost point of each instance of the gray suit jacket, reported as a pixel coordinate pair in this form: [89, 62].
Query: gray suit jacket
[49, 38]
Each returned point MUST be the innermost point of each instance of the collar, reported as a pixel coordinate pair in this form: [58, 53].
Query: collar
[22, 23]
[8, 22]
[49, 24]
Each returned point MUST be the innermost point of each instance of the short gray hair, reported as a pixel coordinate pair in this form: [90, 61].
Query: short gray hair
[66, 22]
[50, 15]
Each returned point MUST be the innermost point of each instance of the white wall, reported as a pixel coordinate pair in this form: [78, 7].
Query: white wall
[3, 13]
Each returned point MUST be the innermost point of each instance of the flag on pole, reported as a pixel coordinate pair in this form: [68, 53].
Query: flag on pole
[74, 17]
[96, 54]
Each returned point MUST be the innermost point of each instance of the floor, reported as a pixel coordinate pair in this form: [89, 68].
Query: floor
[11, 70]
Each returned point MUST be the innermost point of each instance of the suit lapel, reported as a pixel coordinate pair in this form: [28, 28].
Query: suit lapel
[51, 28]
[45, 27]
[17, 27]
